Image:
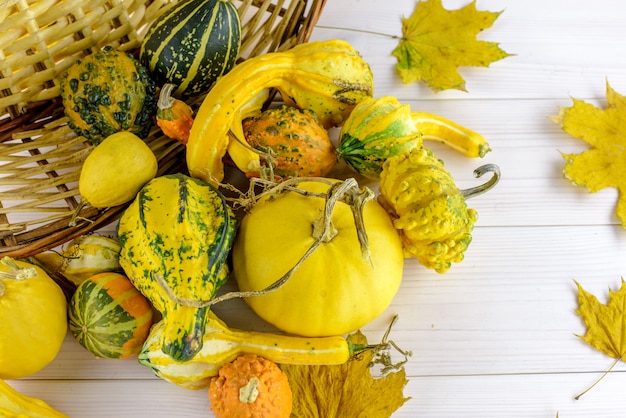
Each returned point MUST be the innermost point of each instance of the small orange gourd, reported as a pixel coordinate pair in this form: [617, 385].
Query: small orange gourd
[174, 116]
[250, 387]
[295, 138]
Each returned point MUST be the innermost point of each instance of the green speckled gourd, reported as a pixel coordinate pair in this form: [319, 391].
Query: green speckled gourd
[108, 92]
[175, 239]
[376, 130]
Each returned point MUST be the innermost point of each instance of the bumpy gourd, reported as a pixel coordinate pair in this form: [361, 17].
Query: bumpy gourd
[175, 239]
[108, 92]
[222, 345]
[299, 145]
[327, 77]
[249, 387]
[427, 208]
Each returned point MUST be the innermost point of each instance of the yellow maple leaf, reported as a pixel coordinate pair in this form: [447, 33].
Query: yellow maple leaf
[436, 41]
[604, 164]
[606, 324]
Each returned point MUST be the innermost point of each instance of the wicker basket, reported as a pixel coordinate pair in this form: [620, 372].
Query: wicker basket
[40, 157]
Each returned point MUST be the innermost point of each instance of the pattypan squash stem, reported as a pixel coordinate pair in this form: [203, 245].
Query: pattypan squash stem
[381, 351]
[347, 191]
[16, 273]
[479, 172]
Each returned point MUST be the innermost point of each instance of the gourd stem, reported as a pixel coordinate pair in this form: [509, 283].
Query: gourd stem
[381, 351]
[166, 100]
[17, 272]
[479, 172]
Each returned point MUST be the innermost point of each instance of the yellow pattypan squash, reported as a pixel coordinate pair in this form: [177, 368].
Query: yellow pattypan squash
[339, 287]
[33, 319]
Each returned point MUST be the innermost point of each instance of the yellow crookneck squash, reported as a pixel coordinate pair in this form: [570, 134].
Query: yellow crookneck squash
[326, 77]
[349, 279]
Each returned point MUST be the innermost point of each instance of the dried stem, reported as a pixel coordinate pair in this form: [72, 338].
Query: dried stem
[577, 397]
[479, 172]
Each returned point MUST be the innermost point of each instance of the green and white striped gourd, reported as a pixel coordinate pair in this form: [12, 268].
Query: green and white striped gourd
[191, 44]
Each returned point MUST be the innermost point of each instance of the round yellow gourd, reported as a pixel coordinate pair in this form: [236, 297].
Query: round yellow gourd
[33, 319]
[116, 170]
[336, 290]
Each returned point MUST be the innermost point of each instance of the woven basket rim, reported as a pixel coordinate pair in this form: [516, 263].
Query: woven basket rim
[23, 127]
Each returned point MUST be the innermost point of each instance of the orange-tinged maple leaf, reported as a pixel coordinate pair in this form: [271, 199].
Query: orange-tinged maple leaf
[604, 164]
[606, 324]
[436, 41]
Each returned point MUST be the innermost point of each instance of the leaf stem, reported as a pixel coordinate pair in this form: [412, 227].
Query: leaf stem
[577, 397]
[369, 32]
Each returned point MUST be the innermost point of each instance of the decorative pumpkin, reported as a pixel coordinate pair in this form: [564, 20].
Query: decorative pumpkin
[174, 116]
[33, 319]
[108, 92]
[115, 170]
[109, 317]
[83, 257]
[347, 281]
[14, 404]
[327, 77]
[250, 387]
[191, 44]
[175, 239]
[299, 144]
[376, 130]
[221, 345]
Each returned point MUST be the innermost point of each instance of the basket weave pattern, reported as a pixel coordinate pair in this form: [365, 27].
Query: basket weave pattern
[40, 156]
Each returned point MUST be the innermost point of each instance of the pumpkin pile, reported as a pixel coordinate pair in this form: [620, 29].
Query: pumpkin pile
[318, 257]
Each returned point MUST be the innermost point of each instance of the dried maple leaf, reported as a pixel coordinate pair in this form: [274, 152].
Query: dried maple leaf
[606, 324]
[436, 41]
[604, 164]
[345, 390]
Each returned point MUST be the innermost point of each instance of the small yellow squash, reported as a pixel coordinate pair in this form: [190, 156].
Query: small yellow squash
[116, 169]
[33, 319]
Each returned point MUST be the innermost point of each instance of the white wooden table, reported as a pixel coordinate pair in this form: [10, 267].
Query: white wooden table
[495, 336]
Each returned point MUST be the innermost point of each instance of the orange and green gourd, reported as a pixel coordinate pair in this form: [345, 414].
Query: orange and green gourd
[109, 317]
